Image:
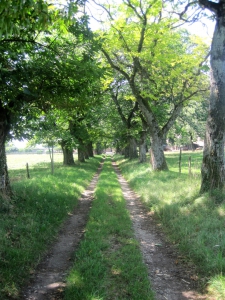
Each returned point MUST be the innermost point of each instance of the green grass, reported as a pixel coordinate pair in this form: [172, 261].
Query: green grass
[193, 222]
[108, 264]
[31, 220]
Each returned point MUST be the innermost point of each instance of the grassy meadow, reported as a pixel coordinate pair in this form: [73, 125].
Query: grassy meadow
[194, 223]
[31, 220]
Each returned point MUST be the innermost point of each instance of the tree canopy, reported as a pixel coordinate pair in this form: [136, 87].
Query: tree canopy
[140, 68]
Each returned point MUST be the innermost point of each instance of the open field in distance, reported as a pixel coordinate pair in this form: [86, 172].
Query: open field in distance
[19, 161]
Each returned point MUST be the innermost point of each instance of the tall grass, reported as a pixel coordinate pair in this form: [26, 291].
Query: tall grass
[193, 222]
[32, 218]
[108, 264]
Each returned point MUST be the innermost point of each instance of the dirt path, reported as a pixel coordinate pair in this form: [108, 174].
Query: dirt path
[47, 283]
[170, 279]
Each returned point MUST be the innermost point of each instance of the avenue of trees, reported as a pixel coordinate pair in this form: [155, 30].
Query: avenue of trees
[137, 80]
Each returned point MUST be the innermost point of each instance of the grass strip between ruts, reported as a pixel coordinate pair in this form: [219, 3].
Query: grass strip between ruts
[108, 263]
[31, 220]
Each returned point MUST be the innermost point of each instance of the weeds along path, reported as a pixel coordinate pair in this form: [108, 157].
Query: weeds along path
[169, 278]
[48, 281]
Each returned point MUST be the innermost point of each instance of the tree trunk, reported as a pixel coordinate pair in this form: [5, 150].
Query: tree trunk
[158, 160]
[5, 187]
[132, 148]
[51, 153]
[142, 147]
[86, 155]
[90, 149]
[68, 159]
[81, 154]
[126, 151]
[213, 172]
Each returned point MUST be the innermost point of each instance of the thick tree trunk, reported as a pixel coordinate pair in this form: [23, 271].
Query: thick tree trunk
[213, 172]
[142, 147]
[158, 160]
[68, 159]
[5, 187]
[86, 155]
[132, 148]
[81, 154]
[90, 149]
[126, 151]
[4, 176]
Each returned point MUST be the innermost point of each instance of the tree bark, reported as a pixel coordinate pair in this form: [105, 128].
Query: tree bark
[5, 187]
[213, 172]
[158, 160]
[86, 155]
[68, 159]
[90, 149]
[81, 154]
[142, 147]
[126, 151]
[132, 148]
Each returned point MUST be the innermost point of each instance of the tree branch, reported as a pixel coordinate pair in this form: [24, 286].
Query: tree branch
[115, 99]
[212, 6]
[134, 109]
[177, 110]
[115, 67]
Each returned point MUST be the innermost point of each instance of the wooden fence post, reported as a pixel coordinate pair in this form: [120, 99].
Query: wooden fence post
[28, 173]
[180, 160]
[189, 165]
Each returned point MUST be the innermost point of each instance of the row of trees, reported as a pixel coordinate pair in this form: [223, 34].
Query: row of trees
[134, 77]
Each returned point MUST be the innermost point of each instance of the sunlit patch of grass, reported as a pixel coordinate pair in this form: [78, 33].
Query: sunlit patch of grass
[108, 261]
[35, 213]
[193, 222]
[217, 287]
